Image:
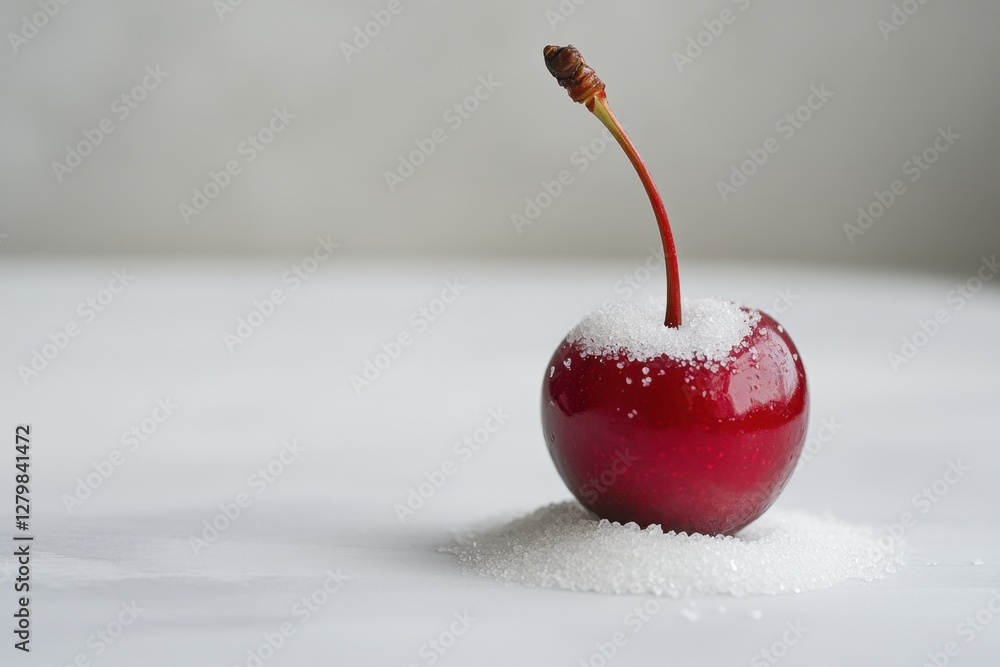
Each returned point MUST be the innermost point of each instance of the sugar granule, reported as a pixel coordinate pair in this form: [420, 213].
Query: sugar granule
[564, 546]
[711, 330]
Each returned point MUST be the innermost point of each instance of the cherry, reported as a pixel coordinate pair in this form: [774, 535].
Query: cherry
[695, 440]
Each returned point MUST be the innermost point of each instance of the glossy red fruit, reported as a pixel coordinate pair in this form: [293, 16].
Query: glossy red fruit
[671, 443]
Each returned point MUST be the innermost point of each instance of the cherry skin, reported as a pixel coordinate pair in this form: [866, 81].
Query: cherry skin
[675, 443]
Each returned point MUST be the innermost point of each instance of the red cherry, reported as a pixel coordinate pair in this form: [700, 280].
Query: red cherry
[692, 446]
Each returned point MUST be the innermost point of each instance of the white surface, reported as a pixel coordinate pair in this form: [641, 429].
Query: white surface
[333, 507]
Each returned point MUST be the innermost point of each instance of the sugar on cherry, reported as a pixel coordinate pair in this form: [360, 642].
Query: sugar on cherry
[710, 406]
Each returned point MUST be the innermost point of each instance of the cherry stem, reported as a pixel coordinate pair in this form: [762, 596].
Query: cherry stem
[598, 105]
[567, 65]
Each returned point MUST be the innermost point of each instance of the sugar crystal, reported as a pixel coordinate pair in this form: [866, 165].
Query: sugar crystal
[564, 546]
[711, 330]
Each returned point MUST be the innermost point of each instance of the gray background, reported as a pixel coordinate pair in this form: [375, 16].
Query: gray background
[325, 173]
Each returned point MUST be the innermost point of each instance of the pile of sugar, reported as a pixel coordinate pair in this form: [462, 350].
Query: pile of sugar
[563, 546]
[711, 329]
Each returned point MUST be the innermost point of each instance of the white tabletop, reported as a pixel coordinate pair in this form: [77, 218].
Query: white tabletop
[331, 508]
